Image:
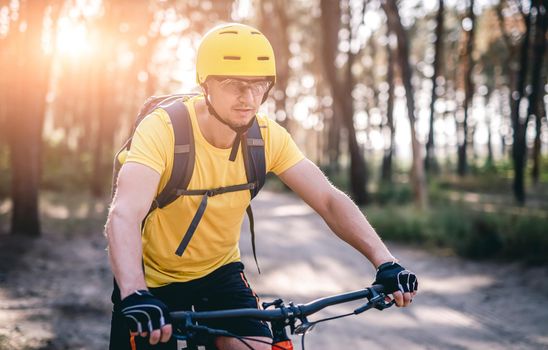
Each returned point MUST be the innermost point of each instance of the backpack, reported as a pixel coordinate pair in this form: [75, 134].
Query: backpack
[183, 163]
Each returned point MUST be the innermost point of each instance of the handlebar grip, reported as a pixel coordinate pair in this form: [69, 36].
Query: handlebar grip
[379, 288]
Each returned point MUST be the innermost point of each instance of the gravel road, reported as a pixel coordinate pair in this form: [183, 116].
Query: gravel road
[54, 291]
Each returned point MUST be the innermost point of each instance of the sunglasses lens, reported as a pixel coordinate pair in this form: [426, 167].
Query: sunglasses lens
[235, 86]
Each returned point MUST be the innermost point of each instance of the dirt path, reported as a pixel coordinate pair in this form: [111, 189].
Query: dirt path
[54, 291]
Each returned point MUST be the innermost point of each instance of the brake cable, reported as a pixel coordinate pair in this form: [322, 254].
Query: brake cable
[245, 340]
[376, 301]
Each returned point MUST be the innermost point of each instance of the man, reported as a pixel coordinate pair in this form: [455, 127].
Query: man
[236, 70]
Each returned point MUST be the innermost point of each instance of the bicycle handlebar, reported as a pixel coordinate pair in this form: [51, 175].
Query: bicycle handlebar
[319, 304]
[285, 312]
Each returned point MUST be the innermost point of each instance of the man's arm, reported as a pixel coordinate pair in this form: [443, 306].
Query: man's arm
[136, 188]
[347, 221]
[338, 211]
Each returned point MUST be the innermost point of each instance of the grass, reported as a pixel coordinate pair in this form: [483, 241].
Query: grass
[467, 232]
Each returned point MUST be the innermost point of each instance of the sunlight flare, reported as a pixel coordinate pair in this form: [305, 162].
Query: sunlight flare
[73, 38]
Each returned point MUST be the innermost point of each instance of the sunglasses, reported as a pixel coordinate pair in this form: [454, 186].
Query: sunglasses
[239, 86]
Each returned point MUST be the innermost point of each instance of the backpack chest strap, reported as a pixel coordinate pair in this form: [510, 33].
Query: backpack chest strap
[216, 191]
[202, 207]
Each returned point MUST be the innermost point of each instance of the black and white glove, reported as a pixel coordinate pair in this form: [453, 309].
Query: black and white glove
[393, 277]
[144, 312]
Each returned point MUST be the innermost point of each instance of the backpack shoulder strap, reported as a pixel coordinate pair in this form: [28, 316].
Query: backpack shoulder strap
[254, 157]
[255, 170]
[183, 157]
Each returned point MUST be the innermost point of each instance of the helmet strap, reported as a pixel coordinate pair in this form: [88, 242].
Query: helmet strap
[239, 130]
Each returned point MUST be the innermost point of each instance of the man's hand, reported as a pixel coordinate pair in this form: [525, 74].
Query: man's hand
[145, 313]
[398, 281]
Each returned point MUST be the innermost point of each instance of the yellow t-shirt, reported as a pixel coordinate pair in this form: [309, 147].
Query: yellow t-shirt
[215, 242]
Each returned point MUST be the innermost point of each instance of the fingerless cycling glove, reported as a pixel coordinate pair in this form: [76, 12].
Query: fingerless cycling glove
[394, 277]
[144, 312]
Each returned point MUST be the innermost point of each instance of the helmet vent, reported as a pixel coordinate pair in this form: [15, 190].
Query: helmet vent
[255, 33]
[263, 58]
[232, 58]
[229, 32]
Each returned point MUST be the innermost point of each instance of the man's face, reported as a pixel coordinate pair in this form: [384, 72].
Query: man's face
[237, 99]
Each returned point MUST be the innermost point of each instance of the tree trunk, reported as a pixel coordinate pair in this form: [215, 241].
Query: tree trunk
[358, 167]
[334, 141]
[519, 126]
[513, 67]
[342, 97]
[275, 25]
[537, 146]
[386, 171]
[102, 137]
[535, 170]
[489, 160]
[417, 170]
[537, 83]
[372, 99]
[4, 59]
[468, 65]
[330, 19]
[430, 163]
[111, 82]
[25, 132]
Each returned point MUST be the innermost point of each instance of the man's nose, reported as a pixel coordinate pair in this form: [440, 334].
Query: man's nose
[246, 95]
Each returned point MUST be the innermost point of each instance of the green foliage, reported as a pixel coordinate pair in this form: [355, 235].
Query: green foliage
[525, 238]
[401, 223]
[5, 171]
[393, 193]
[337, 176]
[492, 181]
[273, 183]
[65, 169]
[467, 232]
[543, 169]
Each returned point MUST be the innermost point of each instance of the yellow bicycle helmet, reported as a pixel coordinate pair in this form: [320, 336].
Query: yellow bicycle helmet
[234, 49]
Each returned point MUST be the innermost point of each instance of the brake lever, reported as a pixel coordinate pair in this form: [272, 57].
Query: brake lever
[384, 304]
[304, 326]
[377, 301]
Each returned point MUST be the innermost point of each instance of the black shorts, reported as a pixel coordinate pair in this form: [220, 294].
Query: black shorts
[224, 288]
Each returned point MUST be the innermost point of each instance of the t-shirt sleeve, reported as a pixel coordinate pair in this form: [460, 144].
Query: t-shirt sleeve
[283, 151]
[151, 142]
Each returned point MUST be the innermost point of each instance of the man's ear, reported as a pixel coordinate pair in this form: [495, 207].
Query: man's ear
[203, 86]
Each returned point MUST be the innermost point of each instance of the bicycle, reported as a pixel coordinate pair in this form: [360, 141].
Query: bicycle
[192, 336]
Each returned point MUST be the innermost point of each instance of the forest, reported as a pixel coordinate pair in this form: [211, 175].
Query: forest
[431, 115]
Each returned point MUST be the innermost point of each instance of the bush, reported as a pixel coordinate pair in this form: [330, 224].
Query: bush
[525, 238]
[65, 169]
[401, 223]
[468, 233]
[471, 234]
[393, 193]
